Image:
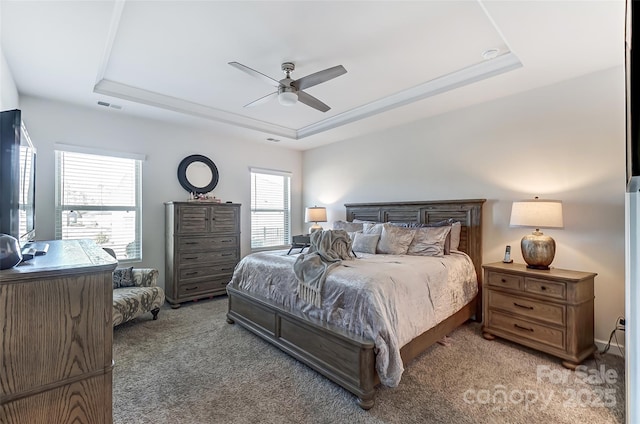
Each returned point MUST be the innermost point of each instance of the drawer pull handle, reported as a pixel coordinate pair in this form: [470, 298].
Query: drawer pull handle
[503, 280]
[519, 327]
[543, 287]
[191, 258]
[191, 242]
[196, 287]
[192, 273]
[522, 306]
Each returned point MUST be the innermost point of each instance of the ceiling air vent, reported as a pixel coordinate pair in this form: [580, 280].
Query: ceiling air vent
[106, 104]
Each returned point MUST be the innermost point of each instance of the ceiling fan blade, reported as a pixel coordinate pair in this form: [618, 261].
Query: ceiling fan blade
[255, 73]
[309, 100]
[263, 99]
[319, 77]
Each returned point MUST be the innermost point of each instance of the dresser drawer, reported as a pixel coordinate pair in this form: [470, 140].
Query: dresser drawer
[200, 244]
[507, 281]
[210, 286]
[188, 275]
[551, 289]
[548, 312]
[549, 336]
[194, 259]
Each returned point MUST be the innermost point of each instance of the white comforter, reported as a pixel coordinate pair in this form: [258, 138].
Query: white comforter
[385, 298]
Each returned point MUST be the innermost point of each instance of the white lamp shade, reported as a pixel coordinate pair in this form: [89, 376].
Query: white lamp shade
[537, 214]
[315, 214]
[287, 98]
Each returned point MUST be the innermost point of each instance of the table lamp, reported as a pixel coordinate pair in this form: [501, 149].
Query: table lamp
[315, 214]
[538, 249]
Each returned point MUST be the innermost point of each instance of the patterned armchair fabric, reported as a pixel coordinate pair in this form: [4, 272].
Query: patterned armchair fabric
[144, 296]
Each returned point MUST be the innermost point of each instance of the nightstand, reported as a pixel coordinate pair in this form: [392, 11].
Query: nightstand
[300, 242]
[548, 310]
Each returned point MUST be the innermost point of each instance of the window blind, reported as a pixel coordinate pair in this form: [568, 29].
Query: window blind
[270, 209]
[99, 198]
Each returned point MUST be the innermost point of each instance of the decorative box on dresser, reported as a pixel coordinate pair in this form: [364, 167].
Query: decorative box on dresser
[56, 337]
[548, 310]
[202, 249]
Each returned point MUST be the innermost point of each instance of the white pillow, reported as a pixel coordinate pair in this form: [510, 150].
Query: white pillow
[395, 240]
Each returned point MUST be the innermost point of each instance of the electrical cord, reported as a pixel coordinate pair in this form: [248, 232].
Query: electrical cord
[618, 327]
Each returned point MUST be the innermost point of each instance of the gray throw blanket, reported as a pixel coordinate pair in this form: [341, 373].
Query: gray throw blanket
[328, 248]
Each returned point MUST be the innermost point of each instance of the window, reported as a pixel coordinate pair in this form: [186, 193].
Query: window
[270, 208]
[98, 197]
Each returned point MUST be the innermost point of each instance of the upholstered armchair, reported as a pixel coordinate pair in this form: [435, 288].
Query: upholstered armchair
[135, 292]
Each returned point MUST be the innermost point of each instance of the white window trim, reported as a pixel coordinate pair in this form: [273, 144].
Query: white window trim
[68, 148]
[283, 174]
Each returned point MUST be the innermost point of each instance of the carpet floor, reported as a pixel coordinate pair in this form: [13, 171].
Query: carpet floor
[190, 366]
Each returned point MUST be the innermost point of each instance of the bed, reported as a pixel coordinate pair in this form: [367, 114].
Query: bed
[340, 355]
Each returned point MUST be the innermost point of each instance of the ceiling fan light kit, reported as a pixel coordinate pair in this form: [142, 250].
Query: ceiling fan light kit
[287, 96]
[289, 91]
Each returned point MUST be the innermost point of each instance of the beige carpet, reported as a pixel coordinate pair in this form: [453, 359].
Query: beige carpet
[190, 366]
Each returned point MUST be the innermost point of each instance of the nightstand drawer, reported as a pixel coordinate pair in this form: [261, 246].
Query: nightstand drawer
[507, 281]
[551, 313]
[546, 288]
[527, 330]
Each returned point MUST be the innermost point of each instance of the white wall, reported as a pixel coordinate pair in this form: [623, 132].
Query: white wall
[8, 92]
[564, 142]
[164, 145]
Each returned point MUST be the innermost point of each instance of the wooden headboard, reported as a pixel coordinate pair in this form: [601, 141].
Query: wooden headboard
[468, 212]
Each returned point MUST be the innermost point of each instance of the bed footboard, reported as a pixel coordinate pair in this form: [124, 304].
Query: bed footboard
[346, 360]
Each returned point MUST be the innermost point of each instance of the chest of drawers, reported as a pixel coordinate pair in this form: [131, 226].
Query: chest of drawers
[202, 249]
[548, 310]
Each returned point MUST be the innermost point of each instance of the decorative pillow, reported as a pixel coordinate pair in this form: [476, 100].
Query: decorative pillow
[409, 224]
[372, 228]
[429, 241]
[349, 227]
[456, 229]
[365, 243]
[352, 235]
[447, 242]
[361, 221]
[395, 240]
[123, 277]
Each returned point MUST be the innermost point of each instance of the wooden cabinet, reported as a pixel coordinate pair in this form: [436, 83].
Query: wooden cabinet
[56, 337]
[549, 310]
[202, 249]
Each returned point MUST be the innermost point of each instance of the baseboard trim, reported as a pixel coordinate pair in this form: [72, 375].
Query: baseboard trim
[614, 349]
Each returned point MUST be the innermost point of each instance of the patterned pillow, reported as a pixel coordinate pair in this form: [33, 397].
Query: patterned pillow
[365, 243]
[429, 241]
[395, 240]
[349, 227]
[123, 277]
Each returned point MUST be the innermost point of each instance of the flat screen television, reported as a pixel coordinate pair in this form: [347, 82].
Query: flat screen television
[17, 178]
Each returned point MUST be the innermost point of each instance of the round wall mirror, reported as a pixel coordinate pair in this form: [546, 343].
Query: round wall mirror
[198, 174]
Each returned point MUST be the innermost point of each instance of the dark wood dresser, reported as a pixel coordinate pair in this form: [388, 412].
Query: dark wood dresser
[56, 337]
[202, 249]
[549, 310]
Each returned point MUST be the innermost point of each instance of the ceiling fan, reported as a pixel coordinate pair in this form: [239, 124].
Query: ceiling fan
[289, 91]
